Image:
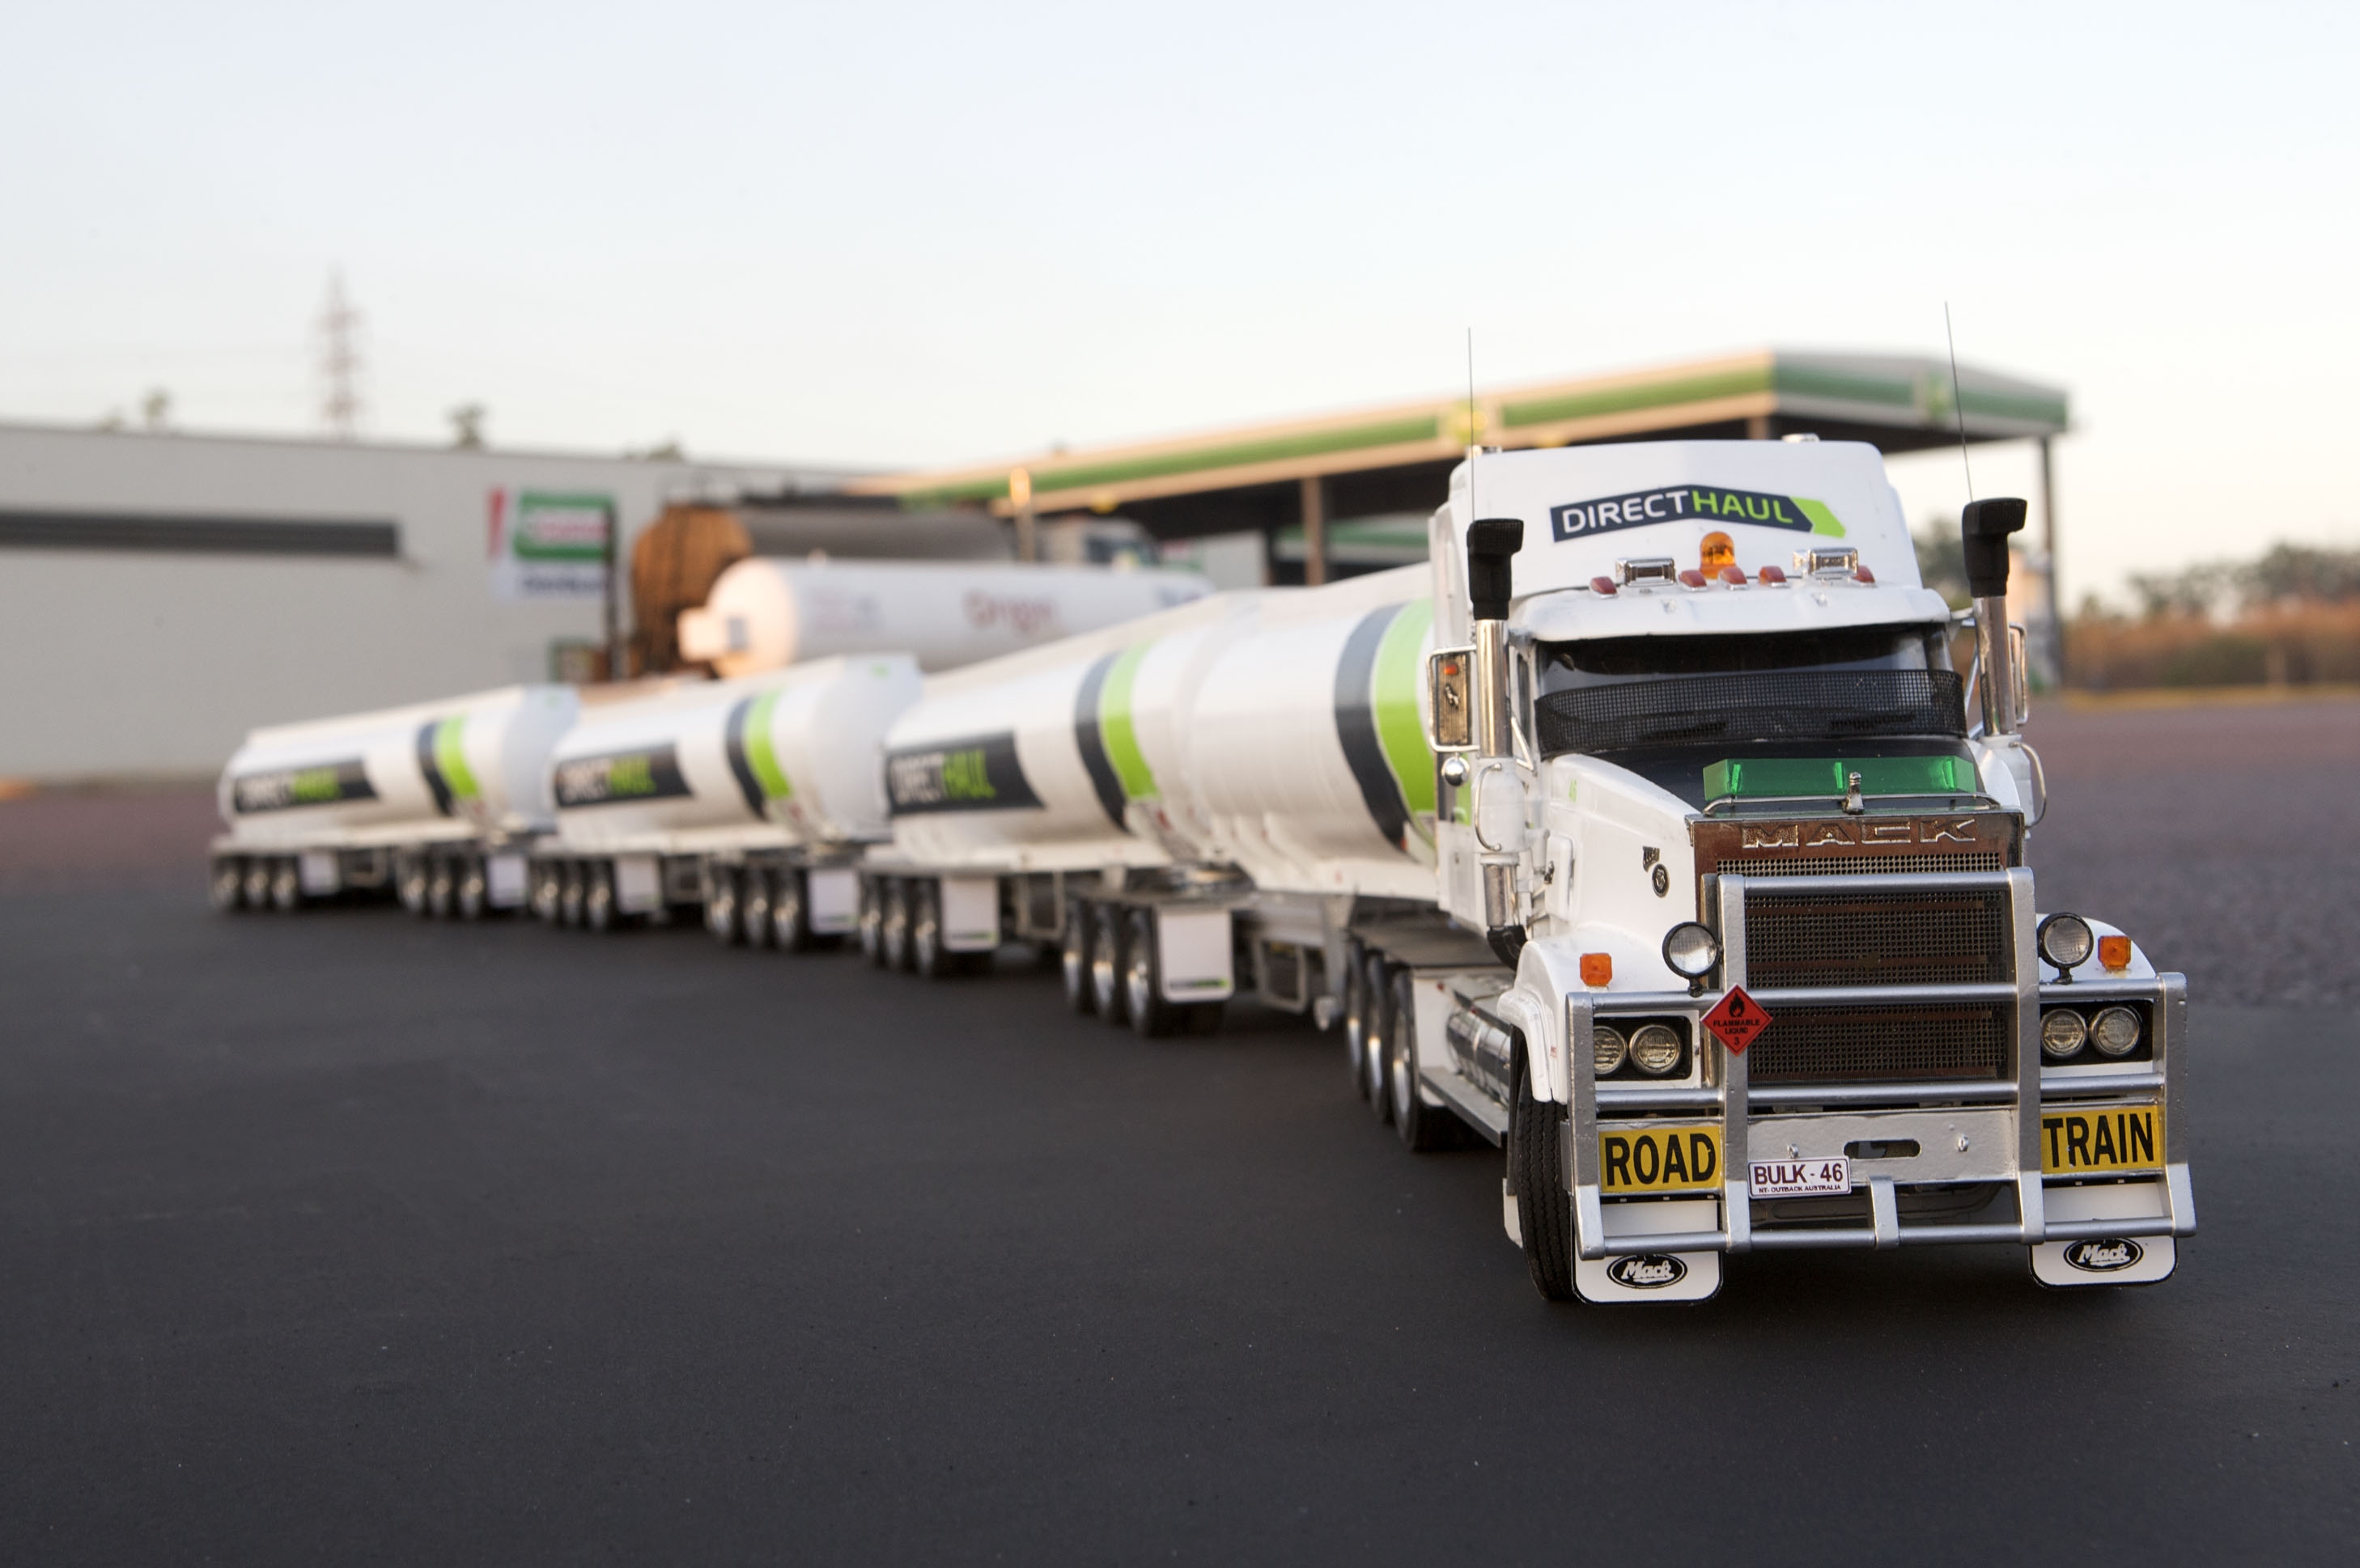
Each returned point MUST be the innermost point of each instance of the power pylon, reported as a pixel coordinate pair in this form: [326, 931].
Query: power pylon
[338, 329]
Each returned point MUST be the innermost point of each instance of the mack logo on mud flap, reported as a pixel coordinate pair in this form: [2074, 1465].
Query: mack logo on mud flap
[2104, 1255]
[1647, 1271]
[1693, 502]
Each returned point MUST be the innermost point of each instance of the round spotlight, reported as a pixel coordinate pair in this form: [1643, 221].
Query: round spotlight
[1657, 1049]
[2062, 1032]
[2066, 941]
[2114, 1031]
[1690, 951]
[1607, 1048]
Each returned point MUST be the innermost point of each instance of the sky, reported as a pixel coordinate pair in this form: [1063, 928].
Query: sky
[891, 234]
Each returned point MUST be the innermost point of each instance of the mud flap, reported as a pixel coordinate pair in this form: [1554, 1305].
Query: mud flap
[1654, 1275]
[2111, 1260]
[835, 895]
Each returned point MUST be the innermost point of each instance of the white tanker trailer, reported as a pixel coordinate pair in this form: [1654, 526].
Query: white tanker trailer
[763, 613]
[435, 801]
[748, 798]
[1689, 884]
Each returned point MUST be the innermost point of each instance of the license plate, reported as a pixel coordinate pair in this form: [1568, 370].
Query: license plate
[1799, 1178]
[1647, 1158]
[2115, 1140]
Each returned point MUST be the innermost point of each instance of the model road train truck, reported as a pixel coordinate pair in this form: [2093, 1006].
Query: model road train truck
[1645, 835]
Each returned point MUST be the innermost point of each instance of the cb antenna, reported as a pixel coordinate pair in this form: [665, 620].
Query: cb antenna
[1958, 402]
[1473, 445]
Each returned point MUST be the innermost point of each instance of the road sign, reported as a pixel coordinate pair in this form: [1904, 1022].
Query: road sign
[1737, 1018]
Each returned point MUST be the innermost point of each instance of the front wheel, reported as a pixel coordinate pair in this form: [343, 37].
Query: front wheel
[1376, 1024]
[1073, 958]
[1544, 1208]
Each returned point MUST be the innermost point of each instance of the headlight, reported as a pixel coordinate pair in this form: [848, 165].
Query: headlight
[1607, 1047]
[1657, 1049]
[1690, 951]
[2114, 1031]
[2066, 941]
[2062, 1032]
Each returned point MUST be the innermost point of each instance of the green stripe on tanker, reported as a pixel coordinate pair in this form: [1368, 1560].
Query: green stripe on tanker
[451, 758]
[1116, 729]
[762, 756]
[1393, 701]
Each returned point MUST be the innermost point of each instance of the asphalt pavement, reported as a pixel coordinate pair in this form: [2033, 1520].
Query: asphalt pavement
[345, 1237]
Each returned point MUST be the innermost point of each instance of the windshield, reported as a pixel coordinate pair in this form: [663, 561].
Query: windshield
[1670, 706]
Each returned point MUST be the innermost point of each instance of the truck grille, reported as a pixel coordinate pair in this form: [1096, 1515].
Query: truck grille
[1857, 1045]
[1920, 937]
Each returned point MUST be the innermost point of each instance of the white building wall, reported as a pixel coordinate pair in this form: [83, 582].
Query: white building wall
[119, 662]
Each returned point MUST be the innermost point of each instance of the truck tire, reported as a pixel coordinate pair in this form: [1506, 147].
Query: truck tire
[1142, 978]
[598, 896]
[255, 889]
[548, 889]
[1073, 958]
[928, 956]
[441, 886]
[791, 911]
[474, 890]
[721, 903]
[893, 925]
[227, 888]
[1423, 1128]
[872, 921]
[1105, 963]
[1376, 1023]
[754, 908]
[409, 881]
[286, 885]
[1544, 1208]
[1355, 1019]
[569, 894]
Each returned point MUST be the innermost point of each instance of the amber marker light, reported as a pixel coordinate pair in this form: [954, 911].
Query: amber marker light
[1717, 552]
[1596, 968]
[2115, 952]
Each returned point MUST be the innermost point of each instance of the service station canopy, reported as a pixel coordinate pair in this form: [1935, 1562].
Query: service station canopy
[1398, 458]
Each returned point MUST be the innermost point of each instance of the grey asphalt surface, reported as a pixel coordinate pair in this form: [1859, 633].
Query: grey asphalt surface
[344, 1238]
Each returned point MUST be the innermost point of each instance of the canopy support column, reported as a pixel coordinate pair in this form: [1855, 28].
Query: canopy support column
[1314, 530]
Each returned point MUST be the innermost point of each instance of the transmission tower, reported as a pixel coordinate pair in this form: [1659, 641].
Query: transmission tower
[338, 329]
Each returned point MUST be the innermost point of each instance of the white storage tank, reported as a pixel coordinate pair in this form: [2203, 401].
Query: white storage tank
[763, 613]
[464, 768]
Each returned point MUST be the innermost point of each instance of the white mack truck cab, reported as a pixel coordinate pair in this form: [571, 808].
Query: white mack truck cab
[1770, 972]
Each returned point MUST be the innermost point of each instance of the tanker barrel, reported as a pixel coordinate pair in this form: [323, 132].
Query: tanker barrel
[1983, 531]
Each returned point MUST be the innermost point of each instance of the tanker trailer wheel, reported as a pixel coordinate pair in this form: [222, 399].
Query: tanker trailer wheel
[1544, 1208]
[409, 880]
[721, 905]
[872, 921]
[754, 907]
[569, 894]
[548, 890]
[1423, 1128]
[228, 885]
[441, 886]
[1142, 979]
[286, 885]
[1105, 963]
[791, 911]
[257, 889]
[1073, 958]
[598, 896]
[472, 888]
[929, 955]
[1356, 1020]
[1376, 1027]
[893, 922]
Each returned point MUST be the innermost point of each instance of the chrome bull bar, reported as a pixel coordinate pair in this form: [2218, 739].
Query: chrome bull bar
[1735, 1100]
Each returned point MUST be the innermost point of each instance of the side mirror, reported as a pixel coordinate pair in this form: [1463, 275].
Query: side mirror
[1450, 685]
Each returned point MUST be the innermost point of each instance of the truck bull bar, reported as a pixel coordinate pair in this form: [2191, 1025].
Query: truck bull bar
[1733, 1099]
